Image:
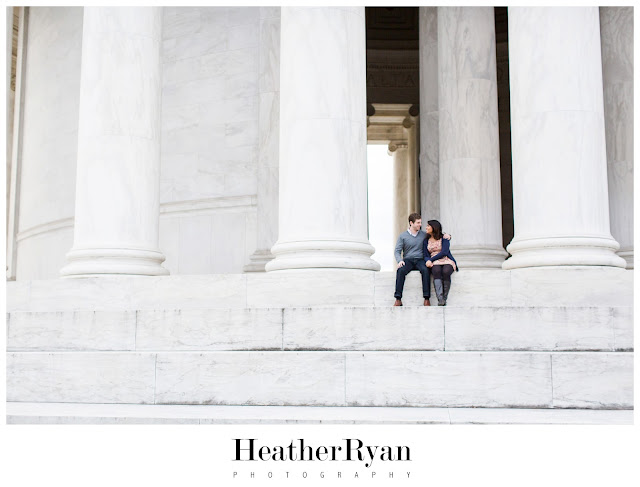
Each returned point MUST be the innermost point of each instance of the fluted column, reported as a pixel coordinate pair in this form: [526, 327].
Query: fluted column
[616, 31]
[323, 172]
[10, 92]
[14, 130]
[429, 145]
[410, 126]
[560, 197]
[399, 150]
[469, 141]
[268, 135]
[118, 173]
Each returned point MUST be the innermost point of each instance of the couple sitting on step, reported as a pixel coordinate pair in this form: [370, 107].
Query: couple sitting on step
[427, 251]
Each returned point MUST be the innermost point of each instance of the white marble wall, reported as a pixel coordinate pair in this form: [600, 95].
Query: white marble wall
[213, 236]
[210, 144]
[269, 138]
[42, 255]
[616, 32]
[50, 141]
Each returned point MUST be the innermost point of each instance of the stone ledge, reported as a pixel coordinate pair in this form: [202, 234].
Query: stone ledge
[56, 413]
[597, 380]
[448, 328]
[561, 286]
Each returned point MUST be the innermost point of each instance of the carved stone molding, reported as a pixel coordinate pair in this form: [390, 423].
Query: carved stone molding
[393, 76]
[388, 123]
[394, 145]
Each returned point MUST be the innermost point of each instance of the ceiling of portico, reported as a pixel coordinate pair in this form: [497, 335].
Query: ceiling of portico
[392, 55]
[393, 52]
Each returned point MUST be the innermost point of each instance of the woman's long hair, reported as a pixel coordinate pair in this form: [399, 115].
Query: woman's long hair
[436, 229]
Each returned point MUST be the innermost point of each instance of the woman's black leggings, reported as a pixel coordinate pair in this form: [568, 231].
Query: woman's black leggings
[442, 272]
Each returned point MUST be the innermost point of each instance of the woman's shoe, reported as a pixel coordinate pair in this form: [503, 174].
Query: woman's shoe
[446, 287]
[437, 284]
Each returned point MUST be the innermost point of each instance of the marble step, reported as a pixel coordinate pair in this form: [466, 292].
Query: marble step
[591, 380]
[563, 286]
[60, 413]
[450, 328]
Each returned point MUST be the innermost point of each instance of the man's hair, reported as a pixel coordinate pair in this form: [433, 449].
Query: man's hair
[414, 216]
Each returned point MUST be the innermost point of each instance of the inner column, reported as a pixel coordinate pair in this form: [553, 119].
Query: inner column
[401, 205]
[616, 32]
[323, 172]
[470, 202]
[429, 119]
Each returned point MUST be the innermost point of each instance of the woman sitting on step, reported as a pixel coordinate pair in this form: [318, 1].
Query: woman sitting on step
[441, 262]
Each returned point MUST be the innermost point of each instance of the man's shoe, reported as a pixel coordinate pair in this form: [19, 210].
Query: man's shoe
[427, 302]
[398, 302]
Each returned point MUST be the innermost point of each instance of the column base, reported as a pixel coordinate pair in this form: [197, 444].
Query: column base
[258, 260]
[563, 251]
[627, 255]
[109, 261]
[479, 258]
[310, 254]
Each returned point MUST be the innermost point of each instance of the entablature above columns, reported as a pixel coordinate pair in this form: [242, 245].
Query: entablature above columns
[389, 123]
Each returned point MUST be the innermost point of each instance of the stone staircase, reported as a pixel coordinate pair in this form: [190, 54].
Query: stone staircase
[329, 341]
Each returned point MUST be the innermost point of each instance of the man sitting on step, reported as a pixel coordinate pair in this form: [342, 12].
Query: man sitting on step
[409, 257]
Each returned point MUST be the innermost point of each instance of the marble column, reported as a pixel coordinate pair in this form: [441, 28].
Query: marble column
[9, 100]
[399, 150]
[410, 126]
[616, 31]
[469, 141]
[118, 174]
[15, 142]
[269, 132]
[429, 144]
[323, 171]
[560, 197]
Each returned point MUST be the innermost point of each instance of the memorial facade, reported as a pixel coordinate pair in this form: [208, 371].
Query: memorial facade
[187, 197]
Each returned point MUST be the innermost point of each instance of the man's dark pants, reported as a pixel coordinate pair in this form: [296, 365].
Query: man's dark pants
[410, 265]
